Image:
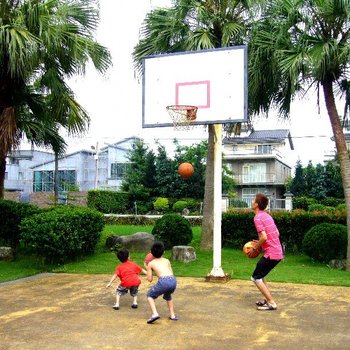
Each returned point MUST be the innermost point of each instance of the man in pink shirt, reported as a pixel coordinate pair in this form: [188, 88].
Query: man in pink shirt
[273, 253]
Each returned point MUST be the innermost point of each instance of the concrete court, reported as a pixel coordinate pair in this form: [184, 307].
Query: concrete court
[67, 311]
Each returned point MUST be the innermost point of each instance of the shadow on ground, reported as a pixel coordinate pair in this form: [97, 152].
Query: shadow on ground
[66, 311]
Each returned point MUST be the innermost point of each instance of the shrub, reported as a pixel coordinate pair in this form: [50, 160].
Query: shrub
[161, 204]
[179, 206]
[331, 201]
[11, 215]
[237, 228]
[341, 206]
[108, 201]
[303, 202]
[325, 242]
[62, 234]
[172, 230]
[320, 207]
[236, 203]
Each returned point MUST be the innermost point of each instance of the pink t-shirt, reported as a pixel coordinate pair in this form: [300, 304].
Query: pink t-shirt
[272, 247]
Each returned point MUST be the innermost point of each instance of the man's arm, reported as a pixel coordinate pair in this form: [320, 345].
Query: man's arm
[259, 243]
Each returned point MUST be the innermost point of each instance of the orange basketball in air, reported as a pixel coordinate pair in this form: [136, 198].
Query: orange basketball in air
[247, 247]
[185, 170]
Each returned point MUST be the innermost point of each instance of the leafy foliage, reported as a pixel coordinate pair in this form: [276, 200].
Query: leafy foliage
[62, 234]
[325, 242]
[161, 204]
[108, 201]
[12, 213]
[172, 230]
[41, 44]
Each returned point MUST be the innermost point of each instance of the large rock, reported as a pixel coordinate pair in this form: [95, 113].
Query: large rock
[139, 241]
[338, 264]
[183, 253]
[7, 253]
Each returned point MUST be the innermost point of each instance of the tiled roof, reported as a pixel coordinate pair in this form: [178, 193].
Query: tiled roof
[262, 136]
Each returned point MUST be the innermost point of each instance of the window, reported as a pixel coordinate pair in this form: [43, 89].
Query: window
[20, 176]
[118, 170]
[6, 175]
[263, 149]
[253, 173]
[248, 194]
[43, 181]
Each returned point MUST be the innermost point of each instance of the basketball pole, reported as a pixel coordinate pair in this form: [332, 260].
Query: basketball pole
[217, 271]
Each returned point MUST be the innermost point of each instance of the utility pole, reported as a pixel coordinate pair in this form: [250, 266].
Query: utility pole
[96, 166]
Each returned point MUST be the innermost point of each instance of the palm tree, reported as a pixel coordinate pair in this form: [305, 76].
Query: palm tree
[41, 44]
[188, 26]
[297, 45]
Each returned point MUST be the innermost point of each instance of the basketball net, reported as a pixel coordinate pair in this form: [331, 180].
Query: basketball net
[182, 116]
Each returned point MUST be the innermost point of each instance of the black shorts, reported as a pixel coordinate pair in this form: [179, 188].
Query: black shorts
[263, 267]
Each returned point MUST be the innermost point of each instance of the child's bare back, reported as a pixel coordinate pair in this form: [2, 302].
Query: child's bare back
[161, 266]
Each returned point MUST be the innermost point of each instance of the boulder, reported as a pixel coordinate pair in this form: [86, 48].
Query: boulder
[183, 253]
[7, 253]
[139, 241]
[338, 264]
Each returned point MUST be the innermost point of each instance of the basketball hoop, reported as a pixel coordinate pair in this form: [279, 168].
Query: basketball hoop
[182, 116]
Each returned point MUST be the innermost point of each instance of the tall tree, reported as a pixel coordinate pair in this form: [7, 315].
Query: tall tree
[42, 42]
[294, 46]
[196, 25]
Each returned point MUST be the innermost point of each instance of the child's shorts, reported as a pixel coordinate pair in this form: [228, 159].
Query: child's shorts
[166, 285]
[124, 290]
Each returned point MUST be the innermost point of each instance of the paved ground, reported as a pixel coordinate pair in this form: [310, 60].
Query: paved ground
[66, 311]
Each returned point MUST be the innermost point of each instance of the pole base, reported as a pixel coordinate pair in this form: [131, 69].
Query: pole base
[218, 279]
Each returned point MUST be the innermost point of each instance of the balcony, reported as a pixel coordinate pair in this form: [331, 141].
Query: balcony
[259, 179]
[252, 153]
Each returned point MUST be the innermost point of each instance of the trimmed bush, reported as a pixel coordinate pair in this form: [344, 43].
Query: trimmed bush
[11, 215]
[237, 203]
[108, 202]
[62, 234]
[172, 230]
[179, 206]
[303, 202]
[325, 242]
[161, 204]
[320, 207]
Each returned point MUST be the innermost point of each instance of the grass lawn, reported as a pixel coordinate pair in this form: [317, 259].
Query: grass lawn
[294, 268]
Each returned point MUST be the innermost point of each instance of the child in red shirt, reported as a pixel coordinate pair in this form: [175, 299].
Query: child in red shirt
[128, 273]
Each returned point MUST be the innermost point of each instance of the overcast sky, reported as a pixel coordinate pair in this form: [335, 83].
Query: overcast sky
[113, 101]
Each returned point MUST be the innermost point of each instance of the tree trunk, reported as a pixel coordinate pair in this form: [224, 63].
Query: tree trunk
[208, 205]
[343, 155]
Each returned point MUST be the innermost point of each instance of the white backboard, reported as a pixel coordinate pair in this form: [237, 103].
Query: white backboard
[213, 80]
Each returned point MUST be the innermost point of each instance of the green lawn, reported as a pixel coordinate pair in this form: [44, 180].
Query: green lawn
[294, 268]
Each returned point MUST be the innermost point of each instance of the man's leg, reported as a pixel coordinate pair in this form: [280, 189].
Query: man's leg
[262, 286]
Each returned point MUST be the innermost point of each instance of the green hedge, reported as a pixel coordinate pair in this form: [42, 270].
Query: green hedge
[238, 226]
[108, 201]
[11, 215]
[62, 234]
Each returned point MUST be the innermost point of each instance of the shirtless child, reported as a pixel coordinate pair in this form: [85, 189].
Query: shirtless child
[166, 284]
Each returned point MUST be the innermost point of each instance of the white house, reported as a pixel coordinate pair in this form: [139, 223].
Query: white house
[33, 171]
[258, 163]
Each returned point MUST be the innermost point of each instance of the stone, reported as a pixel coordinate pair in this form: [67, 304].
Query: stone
[7, 253]
[139, 241]
[183, 253]
[338, 264]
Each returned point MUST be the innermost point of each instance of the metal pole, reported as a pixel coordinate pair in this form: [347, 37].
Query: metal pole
[217, 269]
[96, 166]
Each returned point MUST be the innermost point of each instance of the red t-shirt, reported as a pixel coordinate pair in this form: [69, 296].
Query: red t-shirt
[128, 273]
